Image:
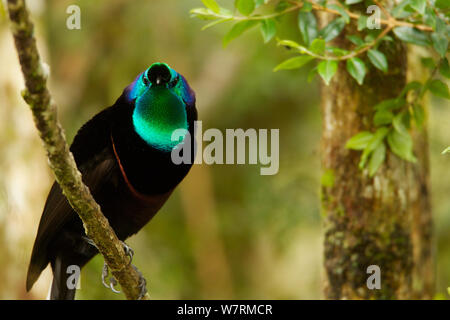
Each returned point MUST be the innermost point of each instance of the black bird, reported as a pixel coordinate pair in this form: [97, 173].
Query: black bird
[124, 155]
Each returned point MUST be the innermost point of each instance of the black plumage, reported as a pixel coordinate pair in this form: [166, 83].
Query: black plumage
[127, 176]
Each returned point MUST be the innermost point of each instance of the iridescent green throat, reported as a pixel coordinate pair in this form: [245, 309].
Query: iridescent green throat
[158, 112]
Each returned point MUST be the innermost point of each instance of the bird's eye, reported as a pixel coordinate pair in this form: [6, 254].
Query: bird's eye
[145, 79]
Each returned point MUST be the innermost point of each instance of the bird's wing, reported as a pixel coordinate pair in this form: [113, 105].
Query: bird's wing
[91, 149]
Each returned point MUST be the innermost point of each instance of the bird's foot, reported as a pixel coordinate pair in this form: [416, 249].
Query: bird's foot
[142, 284]
[112, 280]
[128, 251]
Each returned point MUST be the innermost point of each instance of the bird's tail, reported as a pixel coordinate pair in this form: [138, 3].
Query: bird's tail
[64, 282]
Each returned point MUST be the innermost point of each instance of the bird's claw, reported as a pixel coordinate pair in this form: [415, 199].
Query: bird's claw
[112, 280]
[105, 273]
[143, 287]
[142, 284]
[128, 251]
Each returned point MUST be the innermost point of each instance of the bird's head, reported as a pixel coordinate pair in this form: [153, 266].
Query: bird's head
[162, 102]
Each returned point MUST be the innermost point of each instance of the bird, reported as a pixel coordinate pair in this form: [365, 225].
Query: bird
[124, 156]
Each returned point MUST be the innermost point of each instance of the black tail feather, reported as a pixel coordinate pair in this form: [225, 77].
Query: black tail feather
[60, 287]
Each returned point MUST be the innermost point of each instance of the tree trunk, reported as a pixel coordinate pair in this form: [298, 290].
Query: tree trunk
[384, 220]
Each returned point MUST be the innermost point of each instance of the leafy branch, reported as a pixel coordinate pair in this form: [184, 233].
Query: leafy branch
[314, 40]
[60, 158]
[393, 119]
[418, 22]
[214, 11]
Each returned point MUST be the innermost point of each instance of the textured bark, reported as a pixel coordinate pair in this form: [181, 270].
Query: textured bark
[60, 158]
[384, 220]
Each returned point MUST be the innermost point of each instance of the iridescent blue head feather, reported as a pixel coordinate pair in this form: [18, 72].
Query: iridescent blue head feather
[162, 98]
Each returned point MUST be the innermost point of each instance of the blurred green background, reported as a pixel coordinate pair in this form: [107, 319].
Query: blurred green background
[227, 231]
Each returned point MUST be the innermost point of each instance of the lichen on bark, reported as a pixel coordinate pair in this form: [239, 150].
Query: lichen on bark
[384, 220]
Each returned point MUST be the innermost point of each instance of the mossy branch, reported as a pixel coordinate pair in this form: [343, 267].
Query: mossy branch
[60, 158]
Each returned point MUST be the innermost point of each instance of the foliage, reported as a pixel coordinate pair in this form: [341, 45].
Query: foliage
[418, 22]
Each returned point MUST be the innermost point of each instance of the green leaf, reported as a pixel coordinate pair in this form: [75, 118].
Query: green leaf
[203, 13]
[403, 10]
[268, 29]
[357, 69]
[382, 117]
[447, 150]
[362, 22]
[444, 68]
[430, 17]
[441, 26]
[401, 145]
[327, 69]
[350, 2]
[238, 29]
[356, 40]
[359, 141]
[400, 123]
[378, 59]
[442, 4]
[337, 51]
[308, 26]
[439, 88]
[246, 7]
[377, 159]
[318, 46]
[419, 5]
[341, 11]
[212, 5]
[376, 140]
[390, 104]
[413, 85]
[412, 35]
[293, 63]
[440, 43]
[332, 30]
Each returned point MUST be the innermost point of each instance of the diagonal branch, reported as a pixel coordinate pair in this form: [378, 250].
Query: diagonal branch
[60, 158]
